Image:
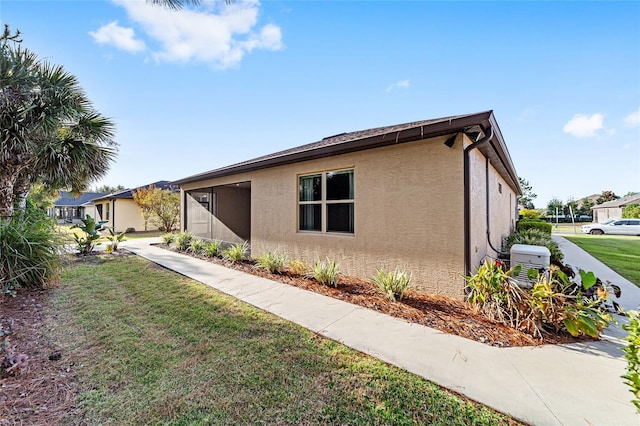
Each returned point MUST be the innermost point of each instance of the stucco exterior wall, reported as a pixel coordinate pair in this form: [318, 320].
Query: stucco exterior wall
[502, 208]
[126, 214]
[408, 213]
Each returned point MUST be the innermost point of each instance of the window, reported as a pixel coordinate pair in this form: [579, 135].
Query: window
[326, 202]
[106, 209]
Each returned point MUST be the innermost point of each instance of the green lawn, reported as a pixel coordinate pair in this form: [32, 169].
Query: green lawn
[619, 252]
[153, 347]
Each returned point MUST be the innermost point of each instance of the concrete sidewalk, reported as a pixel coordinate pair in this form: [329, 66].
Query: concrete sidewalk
[576, 384]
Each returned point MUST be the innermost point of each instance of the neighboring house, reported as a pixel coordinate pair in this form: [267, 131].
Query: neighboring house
[613, 209]
[431, 197]
[120, 212]
[69, 208]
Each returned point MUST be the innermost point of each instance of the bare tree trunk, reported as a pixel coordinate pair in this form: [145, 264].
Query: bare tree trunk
[8, 178]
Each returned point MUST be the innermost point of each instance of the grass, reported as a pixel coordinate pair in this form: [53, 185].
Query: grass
[68, 230]
[154, 347]
[619, 252]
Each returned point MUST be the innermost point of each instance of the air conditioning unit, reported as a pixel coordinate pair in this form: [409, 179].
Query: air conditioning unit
[529, 257]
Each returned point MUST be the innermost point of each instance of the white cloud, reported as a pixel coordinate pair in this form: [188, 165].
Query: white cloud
[120, 37]
[218, 34]
[402, 84]
[633, 119]
[584, 126]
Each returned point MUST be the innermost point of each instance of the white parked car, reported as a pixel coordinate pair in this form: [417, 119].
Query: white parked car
[614, 227]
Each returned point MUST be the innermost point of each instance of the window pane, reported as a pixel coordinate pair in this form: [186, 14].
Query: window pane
[310, 188]
[310, 217]
[340, 185]
[340, 217]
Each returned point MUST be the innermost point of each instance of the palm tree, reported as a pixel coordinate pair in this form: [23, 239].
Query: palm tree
[174, 4]
[178, 4]
[49, 129]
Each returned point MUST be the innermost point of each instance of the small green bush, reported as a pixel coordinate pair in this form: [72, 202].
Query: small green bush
[197, 246]
[537, 238]
[632, 354]
[183, 240]
[392, 284]
[534, 224]
[168, 238]
[236, 253]
[297, 267]
[271, 262]
[529, 214]
[325, 272]
[493, 293]
[30, 249]
[130, 230]
[212, 249]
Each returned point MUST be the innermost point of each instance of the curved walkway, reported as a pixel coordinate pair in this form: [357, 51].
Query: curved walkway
[577, 384]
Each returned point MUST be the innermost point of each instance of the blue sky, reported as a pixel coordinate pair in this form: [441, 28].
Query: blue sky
[203, 88]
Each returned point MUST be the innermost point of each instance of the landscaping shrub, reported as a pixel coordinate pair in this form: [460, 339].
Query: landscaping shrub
[325, 272]
[537, 238]
[197, 246]
[212, 249]
[168, 238]
[392, 284]
[87, 242]
[529, 214]
[130, 230]
[495, 294]
[555, 303]
[237, 252]
[271, 262]
[30, 249]
[560, 304]
[183, 240]
[297, 267]
[632, 354]
[115, 239]
[534, 224]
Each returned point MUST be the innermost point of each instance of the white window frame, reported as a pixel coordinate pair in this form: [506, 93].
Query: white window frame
[323, 202]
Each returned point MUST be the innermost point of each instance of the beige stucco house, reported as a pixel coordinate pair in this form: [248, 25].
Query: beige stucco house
[431, 196]
[120, 212]
[613, 209]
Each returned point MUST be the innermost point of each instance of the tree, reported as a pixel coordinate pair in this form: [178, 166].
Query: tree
[144, 198]
[631, 211]
[109, 189]
[606, 196]
[585, 207]
[526, 199]
[49, 130]
[161, 206]
[554, 204]
[570, 206]
[167, 210]
[630, 193]
[175, 4]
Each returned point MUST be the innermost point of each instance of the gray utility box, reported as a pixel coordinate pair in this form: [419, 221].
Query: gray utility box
[529, 257]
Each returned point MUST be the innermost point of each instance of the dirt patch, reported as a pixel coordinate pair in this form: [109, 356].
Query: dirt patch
[44, 391]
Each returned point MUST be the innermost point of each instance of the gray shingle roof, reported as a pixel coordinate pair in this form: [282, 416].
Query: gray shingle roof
[359, 140]
[621, 202]
[67, 199]
[128, 193]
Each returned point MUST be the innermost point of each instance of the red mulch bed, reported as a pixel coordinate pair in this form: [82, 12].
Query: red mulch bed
[442, 313]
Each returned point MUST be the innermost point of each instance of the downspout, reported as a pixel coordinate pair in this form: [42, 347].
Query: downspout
[113, 214]
[467, 198]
